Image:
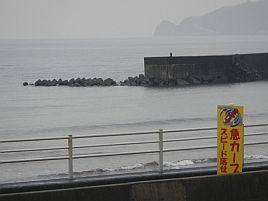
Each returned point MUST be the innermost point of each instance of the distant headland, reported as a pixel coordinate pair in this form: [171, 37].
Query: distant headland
[246, 18]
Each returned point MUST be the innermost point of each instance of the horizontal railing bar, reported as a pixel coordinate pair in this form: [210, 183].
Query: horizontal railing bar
[255, 125]
[164, 131]
[33, 160]
[33, 150]
[115, 144]
[114, 134]
[209, 137]
[33, 139]
[255, 134]
[115, 154]
[119, 144]
[209, 147]
[208, 128]
[120, 134]
[79, 156]
[256, 143]
[190, 148]
[119, 154]
[189, 130]
[189, 139]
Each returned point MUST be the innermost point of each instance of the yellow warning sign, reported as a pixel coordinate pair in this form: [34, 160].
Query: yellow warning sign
[230, 149]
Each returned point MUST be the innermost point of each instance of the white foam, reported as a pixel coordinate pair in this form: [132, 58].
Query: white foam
[177, 164]
[131, 167]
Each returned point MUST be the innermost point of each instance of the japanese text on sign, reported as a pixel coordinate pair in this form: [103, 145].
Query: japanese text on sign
[230, 139]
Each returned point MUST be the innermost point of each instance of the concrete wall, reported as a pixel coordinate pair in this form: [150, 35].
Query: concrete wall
[204, 67]
[258, 62]
[251, 186]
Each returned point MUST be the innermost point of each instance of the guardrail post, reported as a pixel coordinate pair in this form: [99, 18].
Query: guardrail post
[70, 155]
[161, 150]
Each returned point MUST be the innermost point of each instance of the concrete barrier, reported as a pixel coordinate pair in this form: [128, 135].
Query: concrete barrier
[209, 69]
[241, 187]
[249, 186]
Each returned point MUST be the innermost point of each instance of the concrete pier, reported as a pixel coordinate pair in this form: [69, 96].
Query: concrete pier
[208, 69]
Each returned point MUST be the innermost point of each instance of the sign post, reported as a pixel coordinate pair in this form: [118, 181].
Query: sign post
[230, 149]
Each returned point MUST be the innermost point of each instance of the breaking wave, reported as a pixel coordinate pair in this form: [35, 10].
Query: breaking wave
[168, 165]
[141, 168]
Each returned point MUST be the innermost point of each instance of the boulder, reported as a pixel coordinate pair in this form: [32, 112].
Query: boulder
[207, 79]
[109, 82]
[172, 83]
[133, 81]
[181, 82]
[76, 85]
[220, 80]
[193, 80]
[48, 83]
[99, 82]
[141, 76]
[83, 82]
[44, 82]
[60, 82]
[156, 82]
[162, 83]
[94, 81]
[65, 82]
[77, 80]
[125, 83]
[25, 84]
[89, 82]
[38, 83]
[54, 82]
[71, 80]
[144, 82]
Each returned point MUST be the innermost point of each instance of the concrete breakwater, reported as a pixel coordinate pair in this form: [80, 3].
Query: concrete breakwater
[213, 69]
[182, 71]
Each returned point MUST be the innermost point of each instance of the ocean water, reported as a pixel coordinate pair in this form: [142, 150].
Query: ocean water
[30, 112]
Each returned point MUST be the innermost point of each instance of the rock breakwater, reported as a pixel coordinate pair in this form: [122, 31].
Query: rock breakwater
[141, 80]
[74, 82]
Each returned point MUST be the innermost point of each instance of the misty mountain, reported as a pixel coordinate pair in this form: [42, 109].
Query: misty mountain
[246, 18]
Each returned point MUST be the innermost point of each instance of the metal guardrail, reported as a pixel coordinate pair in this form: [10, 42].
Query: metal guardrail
[70, 157]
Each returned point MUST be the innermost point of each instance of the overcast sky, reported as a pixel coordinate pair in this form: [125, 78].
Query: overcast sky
[95, 18]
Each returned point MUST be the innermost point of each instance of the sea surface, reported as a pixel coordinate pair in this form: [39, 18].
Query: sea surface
[34, 112]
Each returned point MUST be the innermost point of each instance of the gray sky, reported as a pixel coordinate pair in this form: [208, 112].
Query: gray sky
[95, 18]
